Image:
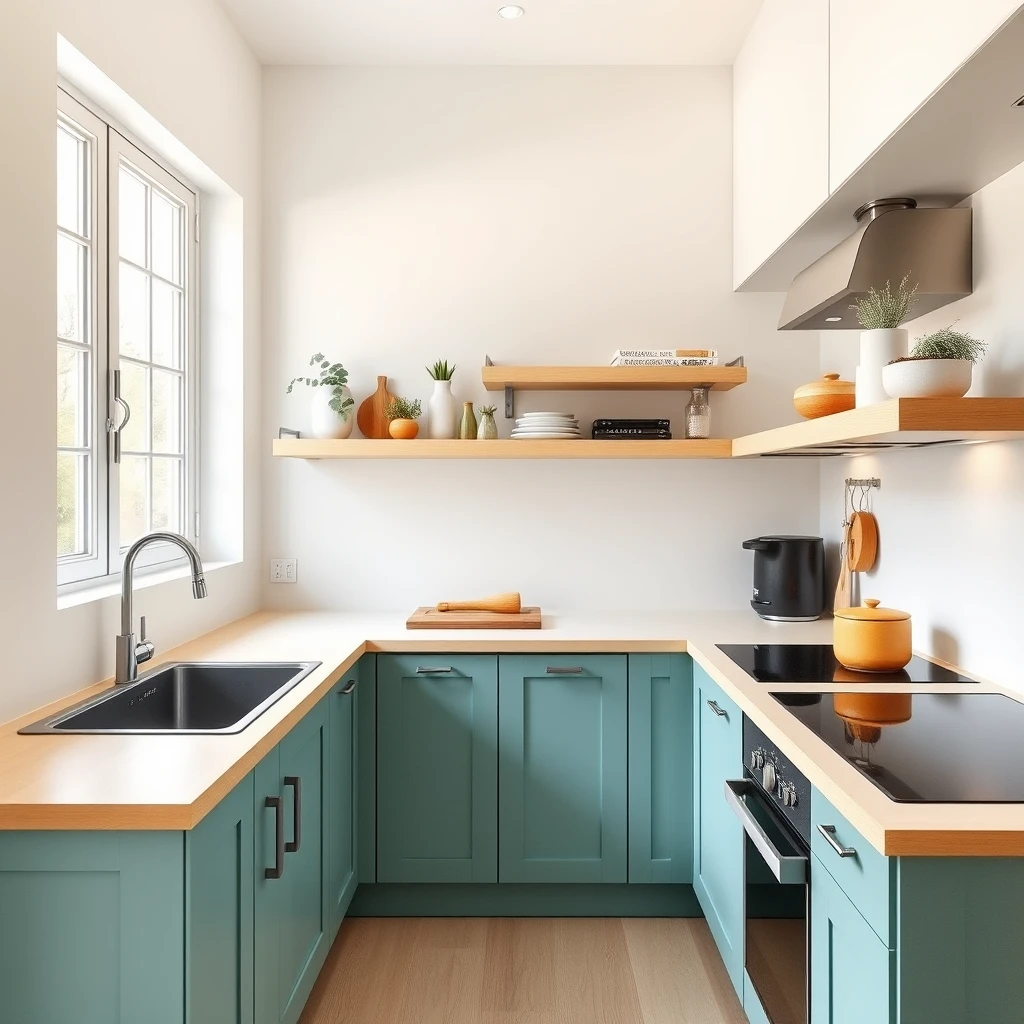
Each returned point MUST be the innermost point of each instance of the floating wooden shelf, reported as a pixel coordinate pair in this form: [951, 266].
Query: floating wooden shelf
[612, 378]
[312, 448]
[900, 423]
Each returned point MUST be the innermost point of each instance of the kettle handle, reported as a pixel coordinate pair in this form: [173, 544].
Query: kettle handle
[756, 545]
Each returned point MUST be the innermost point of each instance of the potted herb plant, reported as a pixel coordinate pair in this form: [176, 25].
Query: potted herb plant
[330, 410]
[487, 429]
[880, 313]
[940, 365]
[442, 409]
[403, 414]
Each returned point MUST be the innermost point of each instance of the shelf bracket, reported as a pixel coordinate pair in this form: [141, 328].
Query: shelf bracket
[510, 402]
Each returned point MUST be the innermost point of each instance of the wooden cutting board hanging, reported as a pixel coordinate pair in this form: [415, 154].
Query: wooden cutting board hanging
[371, 417]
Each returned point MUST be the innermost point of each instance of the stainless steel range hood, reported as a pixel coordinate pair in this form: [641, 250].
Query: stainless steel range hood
[894, 238]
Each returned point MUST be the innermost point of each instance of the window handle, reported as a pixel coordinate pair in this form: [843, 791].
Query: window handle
[115, 429]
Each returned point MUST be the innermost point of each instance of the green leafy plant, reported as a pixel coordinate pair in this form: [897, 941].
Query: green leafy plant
[948, 343]
[886, 308]
[331, 375]
[403, 409]
[441, 371]
[488, 410]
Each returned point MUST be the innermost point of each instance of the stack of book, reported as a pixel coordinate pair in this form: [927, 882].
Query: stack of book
[631, 430]
[665, 357]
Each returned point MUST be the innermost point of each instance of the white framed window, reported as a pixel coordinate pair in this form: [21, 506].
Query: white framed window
[127, 367]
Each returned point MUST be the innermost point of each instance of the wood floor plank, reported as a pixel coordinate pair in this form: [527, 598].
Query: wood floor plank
[594, 979]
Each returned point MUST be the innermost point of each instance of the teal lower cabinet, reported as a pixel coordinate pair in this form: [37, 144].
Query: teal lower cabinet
[660, 768]
[437, 768]
[562, 792]
[292, 904]
[718, 836]
[341, 787]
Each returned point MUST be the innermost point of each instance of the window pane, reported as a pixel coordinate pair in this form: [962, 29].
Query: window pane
[167, 412]
[133, 299]
[134, 499]
[168, 339]
[71, 186]
[135, 391]
[166, 221]
[71, 308]
[72, 474]
[72, 397]
[131, 217]
[167, 494]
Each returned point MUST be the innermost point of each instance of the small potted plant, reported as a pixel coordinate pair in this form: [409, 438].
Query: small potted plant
[940, 365]
[403, 414]
[487, 429]
[331, 404]
[442, 409]
[880, 313]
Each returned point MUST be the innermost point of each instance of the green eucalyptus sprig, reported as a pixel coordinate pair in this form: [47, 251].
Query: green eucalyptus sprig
[488, 410]
[403, 409]
[948, 343]
[331, 375]
[886, 308]
[441, 370]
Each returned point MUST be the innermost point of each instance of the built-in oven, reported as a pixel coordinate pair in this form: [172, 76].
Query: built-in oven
[772, 801]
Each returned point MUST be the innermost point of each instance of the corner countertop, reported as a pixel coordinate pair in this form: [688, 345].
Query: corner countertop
[125, 782]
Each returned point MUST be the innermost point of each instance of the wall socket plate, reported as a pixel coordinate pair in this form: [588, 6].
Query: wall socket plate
[283, 570]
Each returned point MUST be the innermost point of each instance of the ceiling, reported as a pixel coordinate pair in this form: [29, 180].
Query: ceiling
[470, 31]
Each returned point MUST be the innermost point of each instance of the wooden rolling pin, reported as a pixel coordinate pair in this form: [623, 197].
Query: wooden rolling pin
[505, 604]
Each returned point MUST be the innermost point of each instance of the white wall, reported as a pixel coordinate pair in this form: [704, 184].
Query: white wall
[542, 215]
[951, 518]
[192, 72]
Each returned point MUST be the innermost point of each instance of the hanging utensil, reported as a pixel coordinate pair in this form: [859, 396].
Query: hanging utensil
[862, 542]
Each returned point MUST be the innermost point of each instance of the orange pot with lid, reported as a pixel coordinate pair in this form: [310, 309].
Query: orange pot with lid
[872, 638]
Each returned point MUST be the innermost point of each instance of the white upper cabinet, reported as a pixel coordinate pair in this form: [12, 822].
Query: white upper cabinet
[887, 57]
[780, 128]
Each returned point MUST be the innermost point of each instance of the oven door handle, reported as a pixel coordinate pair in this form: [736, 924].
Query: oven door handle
[787, 869]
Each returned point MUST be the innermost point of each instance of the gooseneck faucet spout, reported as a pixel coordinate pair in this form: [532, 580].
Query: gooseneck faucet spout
[129, 652]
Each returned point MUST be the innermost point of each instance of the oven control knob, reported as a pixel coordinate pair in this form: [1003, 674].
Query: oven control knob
[756, 760]
[768, 777]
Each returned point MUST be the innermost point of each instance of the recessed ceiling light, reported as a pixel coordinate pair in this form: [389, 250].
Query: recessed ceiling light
[511, 11]
[833, 319]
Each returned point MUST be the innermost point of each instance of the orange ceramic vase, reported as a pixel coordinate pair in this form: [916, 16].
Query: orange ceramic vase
[403, 430]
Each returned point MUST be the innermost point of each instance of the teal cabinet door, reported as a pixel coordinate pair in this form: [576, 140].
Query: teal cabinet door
[292, 903]
[562, 779]
[437, 759]
[219, 912]
[852, 969]
[341, 795]
[660, 768]
[717, 833]
[92, 927]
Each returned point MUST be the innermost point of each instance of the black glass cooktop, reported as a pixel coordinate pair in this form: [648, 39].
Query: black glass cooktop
[815, 663]
[923, 747]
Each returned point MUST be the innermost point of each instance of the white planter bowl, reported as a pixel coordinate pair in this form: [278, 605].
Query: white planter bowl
[928, 378]
[325, 422]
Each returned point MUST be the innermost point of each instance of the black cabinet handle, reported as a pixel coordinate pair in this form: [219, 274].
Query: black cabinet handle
[278, 869]
[556, 670]
[296, 783]
[348, 689]
[443, 670]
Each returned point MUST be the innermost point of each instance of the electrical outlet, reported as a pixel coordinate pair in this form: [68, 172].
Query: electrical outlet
[283, 570]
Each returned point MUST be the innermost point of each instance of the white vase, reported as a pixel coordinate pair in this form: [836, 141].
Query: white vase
[442, 412]
[324, 421]
[928, 378]
[877, 349]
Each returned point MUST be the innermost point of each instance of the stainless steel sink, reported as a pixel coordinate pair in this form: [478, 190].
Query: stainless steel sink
[183, 697]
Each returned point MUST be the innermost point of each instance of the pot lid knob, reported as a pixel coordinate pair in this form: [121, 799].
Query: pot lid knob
[871, 602]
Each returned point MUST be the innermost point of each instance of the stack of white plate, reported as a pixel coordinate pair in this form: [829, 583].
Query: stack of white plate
[541, 426]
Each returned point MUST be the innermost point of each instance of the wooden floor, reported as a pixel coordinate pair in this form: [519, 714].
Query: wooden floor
[523, 971]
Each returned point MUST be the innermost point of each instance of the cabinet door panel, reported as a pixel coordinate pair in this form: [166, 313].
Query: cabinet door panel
[660, 768]
[562, 793]
[437, 768]
[718, 835]
[341, 794]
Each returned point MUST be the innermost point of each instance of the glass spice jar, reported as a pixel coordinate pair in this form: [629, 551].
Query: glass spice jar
[698, 415]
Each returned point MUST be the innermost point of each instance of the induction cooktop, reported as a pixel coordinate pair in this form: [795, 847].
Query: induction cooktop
[923, 747]
[816, 663]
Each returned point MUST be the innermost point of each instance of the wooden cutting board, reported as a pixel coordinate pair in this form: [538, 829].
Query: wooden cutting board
[371, 417]
[430, 618]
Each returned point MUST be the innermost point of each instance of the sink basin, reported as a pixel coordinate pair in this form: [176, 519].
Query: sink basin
[183, 697]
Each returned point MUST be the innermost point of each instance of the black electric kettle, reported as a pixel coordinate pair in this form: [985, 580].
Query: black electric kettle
[789, 577]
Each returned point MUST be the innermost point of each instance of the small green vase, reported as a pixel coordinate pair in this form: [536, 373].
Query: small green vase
[488, 429]
[467, 428]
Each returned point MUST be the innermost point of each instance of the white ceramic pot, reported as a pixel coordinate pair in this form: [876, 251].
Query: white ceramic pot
[928, 378]
[324, 421]
[442, 412]
[877, 349]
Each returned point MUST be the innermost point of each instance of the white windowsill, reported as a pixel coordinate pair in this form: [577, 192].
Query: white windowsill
[110, 586]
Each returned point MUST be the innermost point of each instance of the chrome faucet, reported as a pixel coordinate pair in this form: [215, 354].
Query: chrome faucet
[129, 652]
